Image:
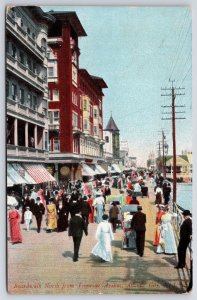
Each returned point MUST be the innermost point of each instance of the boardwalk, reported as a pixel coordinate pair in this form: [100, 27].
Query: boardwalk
[43, 264]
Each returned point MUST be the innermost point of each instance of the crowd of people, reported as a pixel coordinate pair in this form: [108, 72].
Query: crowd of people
[82, 203]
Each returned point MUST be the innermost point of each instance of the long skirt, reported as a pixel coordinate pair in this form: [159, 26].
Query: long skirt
[103, 249]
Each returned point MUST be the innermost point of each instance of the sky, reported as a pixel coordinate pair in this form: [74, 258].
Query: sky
[136, 50]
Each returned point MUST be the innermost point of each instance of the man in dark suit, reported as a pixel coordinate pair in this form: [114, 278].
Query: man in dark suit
[138, 224]
[38, 211]
[76, 227]
[185, 238]
[85, 209]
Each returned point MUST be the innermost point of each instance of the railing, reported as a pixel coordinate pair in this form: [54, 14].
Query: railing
[14, 66]
[27, 152]
[22, 109]
[24, 37]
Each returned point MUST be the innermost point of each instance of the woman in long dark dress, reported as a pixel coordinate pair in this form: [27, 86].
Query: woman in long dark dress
[62, 221]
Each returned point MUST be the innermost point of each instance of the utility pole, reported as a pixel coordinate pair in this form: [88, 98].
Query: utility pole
[173, 95]
[163, 157]
[159, 156]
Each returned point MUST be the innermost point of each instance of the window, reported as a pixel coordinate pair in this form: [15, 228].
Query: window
[44, 45]
[80, 102]
[55, 94]
[95, 130]
[46, 141]
[56, 115]
[28, 30]
[14, 91]
[33, 36]
[34, 102]
[75, 120]
[44, 108]
[30, 102]
[22, 96]
[84, 104]
[7, 88]
[51, 71]
[7, 46]
[74, 98]
[51, 117]
[56, 144]
[34, 67]
[80, 122]
[21, 57]
[95, 113]
[74, 75]
[107, 139]
[29, 65]
[85, 124]
[13, 51]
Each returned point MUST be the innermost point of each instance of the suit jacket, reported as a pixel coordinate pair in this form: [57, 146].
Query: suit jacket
[138, 222]
[77, 226]
[38, 209]
[186, 229]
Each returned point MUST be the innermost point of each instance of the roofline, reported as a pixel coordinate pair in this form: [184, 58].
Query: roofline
[37, 11]
[67, 16]
[94, 79]
[100, 81]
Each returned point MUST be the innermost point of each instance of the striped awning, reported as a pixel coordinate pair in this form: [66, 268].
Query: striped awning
[87, 171]
[115, 169]
[23, 173]
[9, 182]
[99, 170]
[14, 175]
[38, 173]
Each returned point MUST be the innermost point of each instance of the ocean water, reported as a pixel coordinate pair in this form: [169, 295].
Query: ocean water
[184, 195]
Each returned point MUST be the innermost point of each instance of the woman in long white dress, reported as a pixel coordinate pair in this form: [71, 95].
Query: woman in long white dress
[104, 235]
[167, 243]
[99, 204]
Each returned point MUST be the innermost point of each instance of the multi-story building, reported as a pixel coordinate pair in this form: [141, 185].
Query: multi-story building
[26, 93]
[112, 146]
[124, 152]
[112, 143]
[75, 106]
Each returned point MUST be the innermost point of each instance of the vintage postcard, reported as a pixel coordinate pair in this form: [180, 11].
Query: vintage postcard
[99, 149]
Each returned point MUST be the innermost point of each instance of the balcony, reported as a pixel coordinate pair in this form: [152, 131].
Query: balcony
[21, 153]
[22, 71]
[54, 126]
[27, 113]
[55, 41]
[58, 157]
[21, 35]
[77, 130]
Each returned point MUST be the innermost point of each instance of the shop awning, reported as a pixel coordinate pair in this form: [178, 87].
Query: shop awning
[14, 175]
[115, 169]
[121, 167]
[87, 171]
[100, 170]
[38, 173]
[97, 169]
[9, 182]
[23, 173]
